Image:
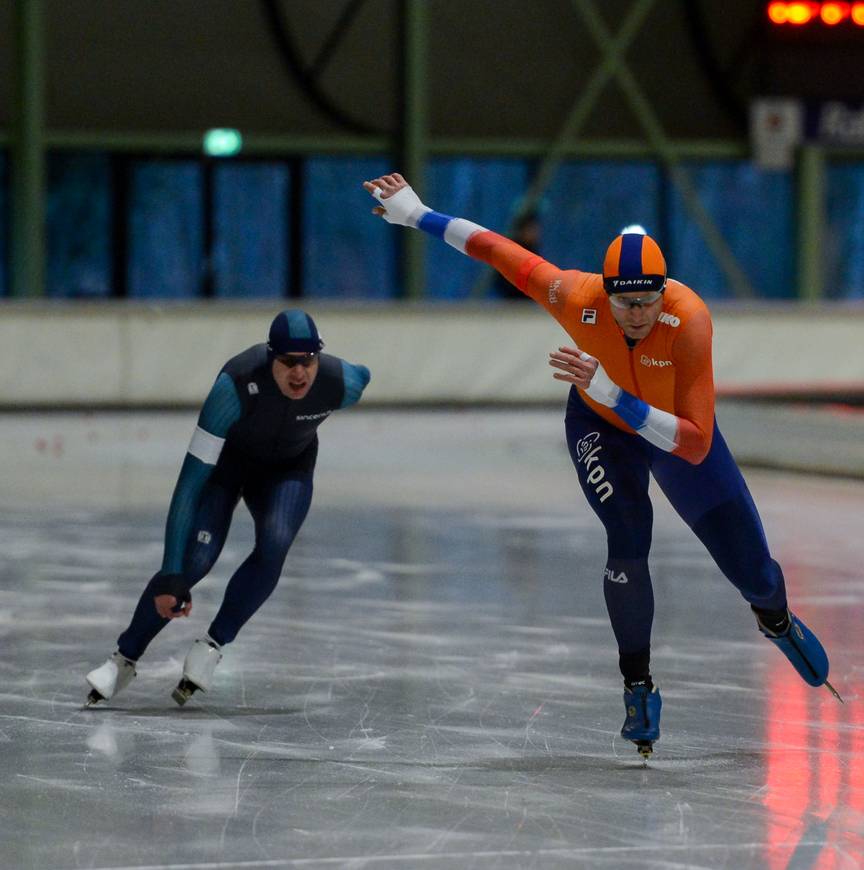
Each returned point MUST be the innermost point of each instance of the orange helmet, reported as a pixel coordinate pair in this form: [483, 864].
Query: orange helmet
[633, 262]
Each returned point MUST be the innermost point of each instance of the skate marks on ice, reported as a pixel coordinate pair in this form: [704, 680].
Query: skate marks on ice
[424, 688]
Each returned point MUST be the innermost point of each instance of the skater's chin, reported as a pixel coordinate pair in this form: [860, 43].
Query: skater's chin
[298, 391]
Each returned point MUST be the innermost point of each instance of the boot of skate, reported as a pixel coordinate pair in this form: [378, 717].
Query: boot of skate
[108, 679]
[802, 648]
[198, 669]
[642, 724]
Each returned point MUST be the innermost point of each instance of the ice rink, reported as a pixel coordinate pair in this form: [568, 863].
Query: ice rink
[434, 682]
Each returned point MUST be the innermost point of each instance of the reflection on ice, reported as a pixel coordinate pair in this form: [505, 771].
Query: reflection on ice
[202, 754]
[104, 740]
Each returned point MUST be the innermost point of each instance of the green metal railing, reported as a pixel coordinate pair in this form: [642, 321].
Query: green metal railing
[28, 154]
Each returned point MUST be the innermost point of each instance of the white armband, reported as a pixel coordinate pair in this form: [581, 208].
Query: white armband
[205, 446]
[660, 429]
[602, 388]
[458, 232]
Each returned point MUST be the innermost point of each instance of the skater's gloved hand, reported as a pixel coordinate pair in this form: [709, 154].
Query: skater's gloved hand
[168, 607]
[585, 372]
[399, 204]
[171, 596]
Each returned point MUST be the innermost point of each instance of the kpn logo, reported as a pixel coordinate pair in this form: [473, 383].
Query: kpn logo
[654, 363]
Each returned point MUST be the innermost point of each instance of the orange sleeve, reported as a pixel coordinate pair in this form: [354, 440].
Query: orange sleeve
[694, 388]
[535, 277]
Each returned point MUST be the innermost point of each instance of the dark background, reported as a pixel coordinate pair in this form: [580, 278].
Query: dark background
[506, 68]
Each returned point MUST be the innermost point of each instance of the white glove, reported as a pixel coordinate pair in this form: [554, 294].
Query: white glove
[403, 208]
[602, 389]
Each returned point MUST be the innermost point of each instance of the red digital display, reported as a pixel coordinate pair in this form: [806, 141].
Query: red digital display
[808, 13]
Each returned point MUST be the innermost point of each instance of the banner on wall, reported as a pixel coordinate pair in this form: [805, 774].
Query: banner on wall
[776, 131]
[779, 125]
[835, 123]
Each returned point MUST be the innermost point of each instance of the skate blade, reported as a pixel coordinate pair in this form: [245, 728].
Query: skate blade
[180, 697]
[94, 698]
[834, 692]
[184, 691]
[645, 748]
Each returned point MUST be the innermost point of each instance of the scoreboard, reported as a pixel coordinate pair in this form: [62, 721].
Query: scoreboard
[810, 50]
[814, 16]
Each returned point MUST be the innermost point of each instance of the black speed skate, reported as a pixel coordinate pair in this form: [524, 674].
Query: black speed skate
[642, 725]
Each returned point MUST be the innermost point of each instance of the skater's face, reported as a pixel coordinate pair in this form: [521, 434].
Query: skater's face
[636, 313]
[295, 373]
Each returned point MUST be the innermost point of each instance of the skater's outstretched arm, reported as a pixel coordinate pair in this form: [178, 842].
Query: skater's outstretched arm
[685, 430]
[220, 411]
[545, 283]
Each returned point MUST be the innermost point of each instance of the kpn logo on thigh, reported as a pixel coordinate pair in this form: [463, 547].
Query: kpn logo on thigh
[587, 450]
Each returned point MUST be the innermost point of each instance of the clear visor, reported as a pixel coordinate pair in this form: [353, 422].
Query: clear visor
[620, 301]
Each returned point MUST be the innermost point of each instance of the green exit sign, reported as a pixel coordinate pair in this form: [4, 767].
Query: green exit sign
[222, 142]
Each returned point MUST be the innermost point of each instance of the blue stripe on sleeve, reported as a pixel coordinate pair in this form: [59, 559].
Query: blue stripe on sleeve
[221, 410]
[434, 223]
[222, 407]
[181, 515]
[633, 411]
[355, 379]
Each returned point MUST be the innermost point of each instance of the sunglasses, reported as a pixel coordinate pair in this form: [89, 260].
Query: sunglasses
[289, 360]
[634, 301]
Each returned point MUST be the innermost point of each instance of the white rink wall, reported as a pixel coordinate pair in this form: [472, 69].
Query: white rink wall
[119, 354]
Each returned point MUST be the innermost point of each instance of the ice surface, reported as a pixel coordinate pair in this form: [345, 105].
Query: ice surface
[433, 684]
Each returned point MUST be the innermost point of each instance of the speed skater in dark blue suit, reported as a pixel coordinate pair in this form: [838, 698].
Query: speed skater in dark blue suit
[256, 439]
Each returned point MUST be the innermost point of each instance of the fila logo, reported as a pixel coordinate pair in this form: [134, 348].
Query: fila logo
[669, 319]
[253, 388]
[589, 315]
[586, 454]
[656, 363]
[204, 537]
[612, 577]
[553, 291]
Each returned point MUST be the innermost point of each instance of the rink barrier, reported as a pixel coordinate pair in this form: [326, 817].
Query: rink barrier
[133, 355]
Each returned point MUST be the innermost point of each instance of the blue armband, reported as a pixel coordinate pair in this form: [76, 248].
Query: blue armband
[434, 223]
[633, 411]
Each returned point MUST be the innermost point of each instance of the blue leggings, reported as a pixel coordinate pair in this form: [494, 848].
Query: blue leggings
[712, 498]
[278, 507]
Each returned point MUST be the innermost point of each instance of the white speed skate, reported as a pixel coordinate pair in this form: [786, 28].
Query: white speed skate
[198, 669]
[108, 679]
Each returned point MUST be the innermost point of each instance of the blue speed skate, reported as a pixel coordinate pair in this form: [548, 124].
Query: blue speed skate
[642, 724]
[803, 650]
